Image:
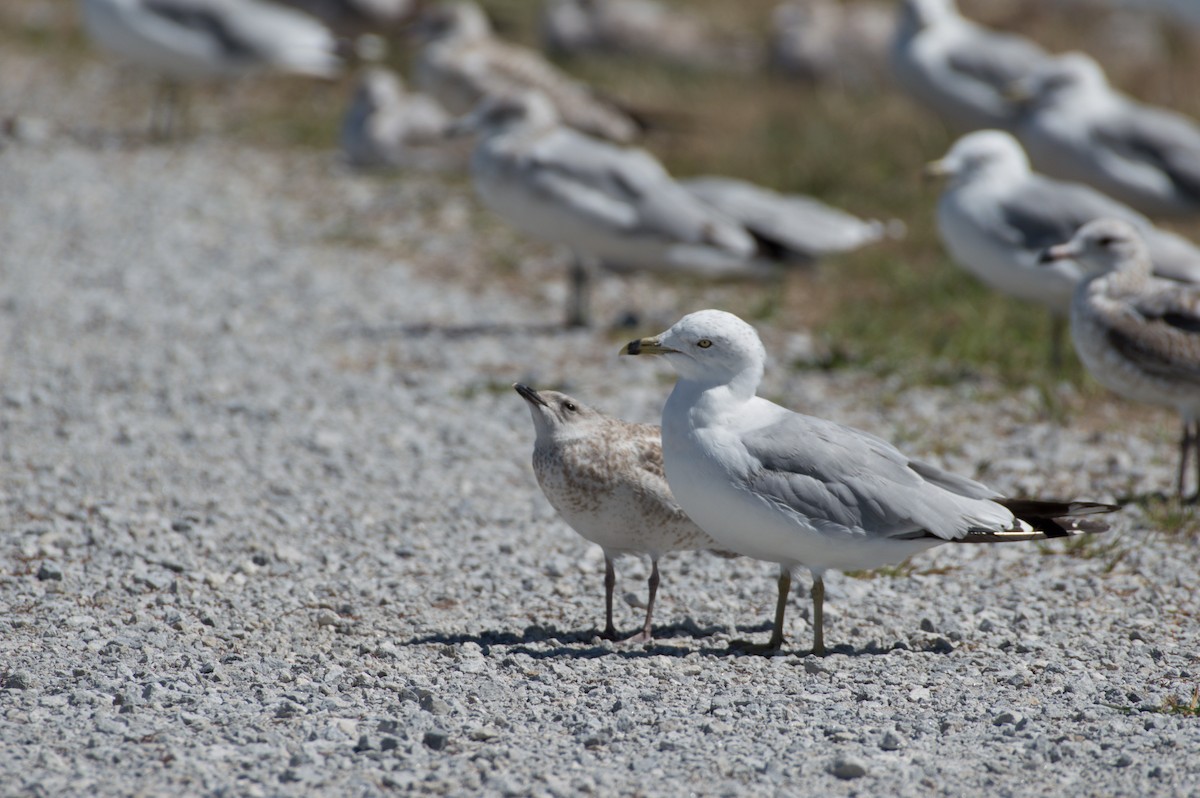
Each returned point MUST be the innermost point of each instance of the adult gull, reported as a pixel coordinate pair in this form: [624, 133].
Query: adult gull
[191, 40]
[1075, 126]
[801, 491]
[996, 216]
[1136, 336]
[957, 69]
[610, 204]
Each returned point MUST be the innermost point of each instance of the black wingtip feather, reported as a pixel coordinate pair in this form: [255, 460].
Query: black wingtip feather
[1046, 520]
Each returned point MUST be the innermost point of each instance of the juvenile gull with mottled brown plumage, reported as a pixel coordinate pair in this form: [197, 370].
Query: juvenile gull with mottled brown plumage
[1137, 336]
[605, 478]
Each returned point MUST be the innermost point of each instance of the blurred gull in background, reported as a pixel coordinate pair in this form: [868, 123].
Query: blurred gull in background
[360, 16]
[1136, 336]
[191, 40]
[823, 41]
[386, 126]
[462, 63]
[957, 69]
[635, 27]
[792, 227]
[996, 216]
[612, 204]
[1075, 126]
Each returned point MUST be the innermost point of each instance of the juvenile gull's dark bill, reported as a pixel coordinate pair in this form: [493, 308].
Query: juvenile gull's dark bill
[801, 491]
[605, 478]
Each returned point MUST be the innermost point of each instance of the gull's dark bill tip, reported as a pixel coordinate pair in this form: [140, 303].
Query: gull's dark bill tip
[529, 394]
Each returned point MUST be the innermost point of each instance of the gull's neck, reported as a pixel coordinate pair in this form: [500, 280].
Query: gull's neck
[698, 403]
[1128, 279]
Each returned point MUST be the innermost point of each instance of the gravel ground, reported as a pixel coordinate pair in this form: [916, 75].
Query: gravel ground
[269, 525]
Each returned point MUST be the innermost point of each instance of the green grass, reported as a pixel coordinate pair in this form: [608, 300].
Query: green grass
[1170, 517]
[1188, 707]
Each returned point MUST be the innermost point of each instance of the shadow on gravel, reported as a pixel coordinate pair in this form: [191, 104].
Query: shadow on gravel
[451, 331]
[588, 645]
[542, 634]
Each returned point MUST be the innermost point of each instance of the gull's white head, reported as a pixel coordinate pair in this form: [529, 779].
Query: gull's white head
[981, 152]
[1104, 245]
[558, 417]
[1067, 76]
[710, 347]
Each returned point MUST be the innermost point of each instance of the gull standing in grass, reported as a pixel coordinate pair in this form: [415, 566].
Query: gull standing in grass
[793, 227]
[605, 478]
[462, 62]
[385, 126]
[608, 203]
[1136, 336]
[830, 42]
[957, 69]
[195, 40]
[996, 217]
[801, 491]
[1077, 127]
[645, 28]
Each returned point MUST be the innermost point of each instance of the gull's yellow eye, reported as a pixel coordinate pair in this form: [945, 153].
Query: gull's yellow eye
[704, 343]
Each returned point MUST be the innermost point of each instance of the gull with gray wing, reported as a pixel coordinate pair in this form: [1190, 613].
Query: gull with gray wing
[1075, 126]
[605, 478]
[957, 69]
[189, 40]
[801, 491]
[996, 216]
[463, 62]
[1136, 336]
[611, 204]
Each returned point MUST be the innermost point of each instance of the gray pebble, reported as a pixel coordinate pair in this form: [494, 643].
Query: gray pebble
[848, 768]
[49, 571]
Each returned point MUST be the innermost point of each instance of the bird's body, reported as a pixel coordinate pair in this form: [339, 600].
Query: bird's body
[801, 491]
[184, 41]
[957, 69]
[840, 43]
[790, 227]
[206, 39]
[1137, 337]
[628, 27]
[464, 63]
[605, 478]
[1076, 127]
[996, 216]
[385, 126]
[612, 204]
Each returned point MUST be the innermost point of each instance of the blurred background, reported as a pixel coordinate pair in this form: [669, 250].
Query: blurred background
[901, 308]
